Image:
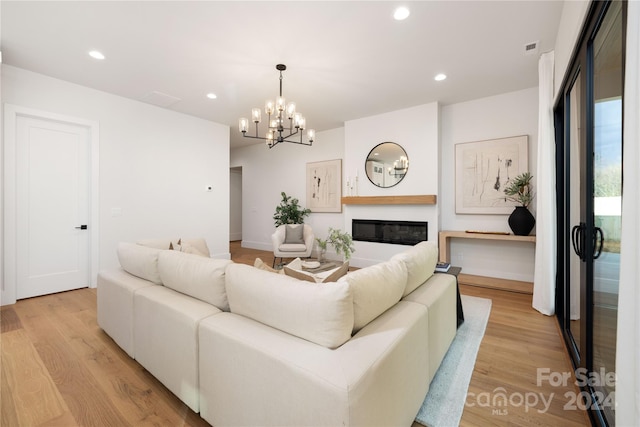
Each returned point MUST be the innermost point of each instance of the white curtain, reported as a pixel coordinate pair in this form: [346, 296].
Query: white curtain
[628, 339]
[544, 281]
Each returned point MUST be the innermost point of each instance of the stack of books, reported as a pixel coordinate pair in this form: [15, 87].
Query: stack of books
[443, 267]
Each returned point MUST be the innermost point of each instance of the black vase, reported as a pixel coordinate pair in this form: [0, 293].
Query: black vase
[521, 221]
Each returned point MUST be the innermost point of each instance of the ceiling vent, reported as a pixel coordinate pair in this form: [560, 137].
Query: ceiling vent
[531, 48]
[160, 99]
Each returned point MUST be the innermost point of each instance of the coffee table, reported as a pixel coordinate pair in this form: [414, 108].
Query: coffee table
[324, 266]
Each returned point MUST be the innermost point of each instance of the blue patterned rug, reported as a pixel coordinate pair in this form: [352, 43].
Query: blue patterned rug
[447, 394]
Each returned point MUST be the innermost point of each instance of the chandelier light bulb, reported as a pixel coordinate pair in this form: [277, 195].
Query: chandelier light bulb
[311, 135]
[280, 103]
[243, 124]
[269, 107]
[302, 123]
[291, 110]
[255, 115]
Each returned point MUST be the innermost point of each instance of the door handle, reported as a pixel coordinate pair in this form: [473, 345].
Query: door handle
[577, 238]
[82, 227]
[598, 251]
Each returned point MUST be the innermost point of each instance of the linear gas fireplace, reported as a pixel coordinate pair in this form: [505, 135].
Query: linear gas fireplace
[384, 231]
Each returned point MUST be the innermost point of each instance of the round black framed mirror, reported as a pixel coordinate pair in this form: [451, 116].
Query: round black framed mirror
[386, 164]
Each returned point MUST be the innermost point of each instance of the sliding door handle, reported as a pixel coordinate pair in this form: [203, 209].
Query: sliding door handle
[597, 252]
[82, 227]
[576, 239]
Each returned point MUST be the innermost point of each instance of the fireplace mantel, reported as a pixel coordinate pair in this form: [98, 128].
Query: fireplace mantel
[419, 199]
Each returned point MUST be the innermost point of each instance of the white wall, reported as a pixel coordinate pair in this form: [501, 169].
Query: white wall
[268, 172]
[416, 130]
[510, 114]
[155, 164]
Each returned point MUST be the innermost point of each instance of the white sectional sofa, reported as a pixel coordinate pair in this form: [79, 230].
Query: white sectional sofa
[247, 347]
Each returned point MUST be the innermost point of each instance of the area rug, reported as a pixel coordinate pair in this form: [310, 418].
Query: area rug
[447, 394]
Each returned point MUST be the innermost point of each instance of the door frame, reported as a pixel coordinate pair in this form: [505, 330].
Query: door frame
[9, 202]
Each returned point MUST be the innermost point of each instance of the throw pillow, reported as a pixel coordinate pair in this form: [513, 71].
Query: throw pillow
[190, 249]
[293, 233]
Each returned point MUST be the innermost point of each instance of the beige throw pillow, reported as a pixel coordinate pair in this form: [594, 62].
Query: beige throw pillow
[375, 289]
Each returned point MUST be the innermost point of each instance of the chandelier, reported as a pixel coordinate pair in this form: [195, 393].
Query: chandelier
[284, 122]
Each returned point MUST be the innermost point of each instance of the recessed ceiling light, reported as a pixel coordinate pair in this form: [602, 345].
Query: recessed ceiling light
[401, 13]
[212, 95]
[96, 55]
[440, 77]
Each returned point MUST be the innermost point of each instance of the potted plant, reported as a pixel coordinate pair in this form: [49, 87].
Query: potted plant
[289, 211]
[342, 243]
[521, 221]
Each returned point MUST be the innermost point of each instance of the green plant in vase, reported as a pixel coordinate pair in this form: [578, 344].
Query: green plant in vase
[289, 211]
[519, 189]
[341, 242]
[521, 221]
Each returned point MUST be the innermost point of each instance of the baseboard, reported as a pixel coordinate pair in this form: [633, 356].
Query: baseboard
[496, 283]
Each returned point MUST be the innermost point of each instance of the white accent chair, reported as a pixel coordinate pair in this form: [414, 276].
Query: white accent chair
[286, 248]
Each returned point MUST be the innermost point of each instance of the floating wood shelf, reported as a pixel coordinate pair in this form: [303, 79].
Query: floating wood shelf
[482, 281]
[420, 199]
[445, 235]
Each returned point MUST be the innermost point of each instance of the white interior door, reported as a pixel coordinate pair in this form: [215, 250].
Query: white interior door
[53, 175]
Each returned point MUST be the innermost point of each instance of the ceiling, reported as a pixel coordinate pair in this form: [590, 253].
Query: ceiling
[345, 59]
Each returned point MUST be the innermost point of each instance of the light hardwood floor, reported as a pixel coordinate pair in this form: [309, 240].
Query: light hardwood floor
[58, 368]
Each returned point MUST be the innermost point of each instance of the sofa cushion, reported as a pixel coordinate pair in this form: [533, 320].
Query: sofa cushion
[140, 261]
[420, 261]
[320, 313]
[375, 289]
[198, 244]
[196, 276]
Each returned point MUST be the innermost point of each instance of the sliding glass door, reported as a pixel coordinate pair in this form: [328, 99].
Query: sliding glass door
[589, 183]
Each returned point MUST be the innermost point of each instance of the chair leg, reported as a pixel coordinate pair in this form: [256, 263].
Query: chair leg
[274, 262]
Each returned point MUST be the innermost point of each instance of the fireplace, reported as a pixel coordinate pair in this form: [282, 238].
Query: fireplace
[384, 231]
